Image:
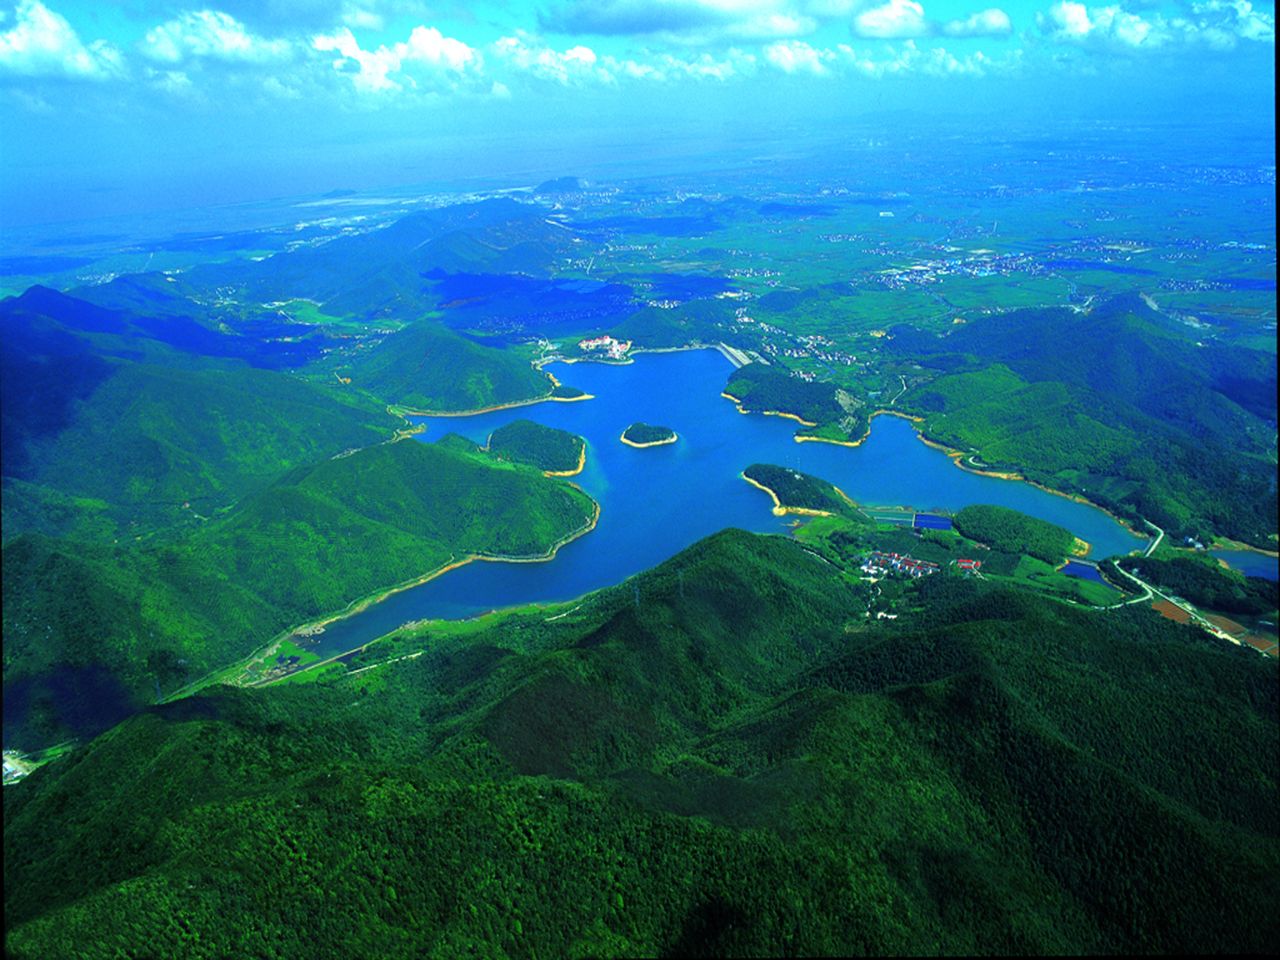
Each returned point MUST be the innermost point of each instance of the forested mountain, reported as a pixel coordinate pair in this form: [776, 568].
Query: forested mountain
[115, 423]
[548, 449]
[373, 274]
[718, 757]
[900, 729]
[427, 367]
[92, 630]
[1116, 403]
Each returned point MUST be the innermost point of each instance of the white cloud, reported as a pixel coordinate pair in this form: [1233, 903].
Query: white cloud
[274, 87]
[574, 65]
[429, 45]
[173, 82]
[734, 63]
[210, 33]
[43, 43]
[372, 66]
[1240, 18]
[796, 56]
[893, 20]
[1217, 24]
[427, 55]
[358, 18]
[986, 23]
[1066, 20]
[1113, 26]
[929, 61]
[692, 21]
[578, 65]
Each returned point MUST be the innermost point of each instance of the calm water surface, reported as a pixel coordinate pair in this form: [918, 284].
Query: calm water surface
[657, 501]
[1251, 564]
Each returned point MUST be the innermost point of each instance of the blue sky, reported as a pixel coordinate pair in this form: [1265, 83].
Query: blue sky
[169, 103]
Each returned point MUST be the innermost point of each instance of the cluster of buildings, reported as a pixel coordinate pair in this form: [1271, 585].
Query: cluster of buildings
[971, 565]
[826, 356]
[759, 273]
[1193, 285]
[983, 265]
[614, 349]
[880, 564]
[15, 767]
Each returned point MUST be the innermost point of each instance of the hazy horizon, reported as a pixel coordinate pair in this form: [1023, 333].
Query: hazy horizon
[152, 105]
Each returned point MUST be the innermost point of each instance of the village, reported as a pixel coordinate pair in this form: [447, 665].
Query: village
[613, 349]
[882, 564]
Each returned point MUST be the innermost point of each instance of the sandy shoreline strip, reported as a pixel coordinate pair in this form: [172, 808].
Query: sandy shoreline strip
[582, 462]
[652, 443]
[359, 606]
[400, 411]
[781, 511]
[768, 413]
[1224, 543]
[801, 438]
[957, 457]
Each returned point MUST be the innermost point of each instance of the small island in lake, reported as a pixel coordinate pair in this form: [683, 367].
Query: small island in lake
[647, 435]
[799, 493]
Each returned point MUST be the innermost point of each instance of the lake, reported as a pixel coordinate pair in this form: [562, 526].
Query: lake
[1084, 571]
[1250, 563]
[657, 501]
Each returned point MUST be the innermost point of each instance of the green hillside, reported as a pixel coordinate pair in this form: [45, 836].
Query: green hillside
[153, 617]
[429, 368]
[718, 757]
[762, 387]
[150, 439]
[829, 413]
[1115, 404]
[1010, 531]
[108, 435]
[1204, 583]
[546, 448]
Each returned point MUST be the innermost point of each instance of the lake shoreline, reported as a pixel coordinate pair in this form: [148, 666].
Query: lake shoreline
[802, 438]
[781, 511]
[316, 627]
[582, 462]
[402, 412]
[957, 457]
[1226, 543]
[768, 413]
[735, 357]
[652, 443]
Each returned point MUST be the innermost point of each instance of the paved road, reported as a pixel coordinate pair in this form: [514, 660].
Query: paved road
[1156, 542]
[1196, 617]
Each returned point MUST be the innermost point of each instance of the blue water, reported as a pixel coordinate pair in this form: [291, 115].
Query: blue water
[1247, 283]
[929, 521]
[1085, 571]
[657, 501]
[1251, 564]
[1071, 264]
